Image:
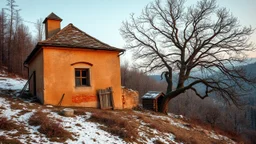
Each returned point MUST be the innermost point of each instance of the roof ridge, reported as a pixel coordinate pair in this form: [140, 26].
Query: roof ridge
[72, 36]
[91, 36]
[62, 30]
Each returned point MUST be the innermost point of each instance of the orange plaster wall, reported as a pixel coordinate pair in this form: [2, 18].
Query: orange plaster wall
[52, 27]
[59, 76]
[37, 65]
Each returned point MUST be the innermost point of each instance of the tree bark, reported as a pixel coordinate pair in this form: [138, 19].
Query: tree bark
[168, 97]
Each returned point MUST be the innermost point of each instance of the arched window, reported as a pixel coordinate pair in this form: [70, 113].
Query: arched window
[82, 73]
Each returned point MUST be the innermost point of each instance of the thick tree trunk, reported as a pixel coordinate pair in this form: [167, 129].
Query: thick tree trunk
[164, 105]
[168, 97]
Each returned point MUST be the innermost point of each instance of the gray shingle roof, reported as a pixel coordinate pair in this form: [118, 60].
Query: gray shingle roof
[72, 37]
[152, 94]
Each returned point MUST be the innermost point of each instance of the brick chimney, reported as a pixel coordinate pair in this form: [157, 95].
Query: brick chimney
[52, 25]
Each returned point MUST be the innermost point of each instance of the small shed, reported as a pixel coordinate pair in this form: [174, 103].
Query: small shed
[152, 100]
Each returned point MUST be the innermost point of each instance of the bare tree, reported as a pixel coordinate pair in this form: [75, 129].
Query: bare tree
[2, 36]
[40, 30]
[137, 80]
[15, 39]
[13, 11]
[212, 115]
[170, 37]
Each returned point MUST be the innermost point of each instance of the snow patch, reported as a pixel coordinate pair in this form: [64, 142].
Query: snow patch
[12, 84]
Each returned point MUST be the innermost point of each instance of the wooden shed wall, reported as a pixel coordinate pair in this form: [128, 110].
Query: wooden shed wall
[149, 104]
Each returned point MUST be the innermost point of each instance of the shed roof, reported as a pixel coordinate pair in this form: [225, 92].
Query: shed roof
[152, 94]
[72, 37]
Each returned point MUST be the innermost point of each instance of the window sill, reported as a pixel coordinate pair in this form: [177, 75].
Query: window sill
[83, 86]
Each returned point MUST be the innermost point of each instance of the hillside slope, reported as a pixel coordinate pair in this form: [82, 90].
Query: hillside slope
[23, 121]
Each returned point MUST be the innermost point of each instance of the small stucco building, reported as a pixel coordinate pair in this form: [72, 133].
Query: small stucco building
[69, 66]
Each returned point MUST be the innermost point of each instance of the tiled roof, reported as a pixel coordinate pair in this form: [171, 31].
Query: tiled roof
[71, 36]
[52, 16]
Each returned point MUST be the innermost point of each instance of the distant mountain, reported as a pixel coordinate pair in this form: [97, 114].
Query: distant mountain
[157, 78]
[250, 68]
[249, 64]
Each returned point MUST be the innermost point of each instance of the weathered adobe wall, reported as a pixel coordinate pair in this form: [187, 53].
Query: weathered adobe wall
[59, 76]
[37, 65]
[130, 98]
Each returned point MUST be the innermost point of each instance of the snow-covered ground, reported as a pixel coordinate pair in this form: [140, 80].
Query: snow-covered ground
[83, 130]
[11, 84]
[7, 83]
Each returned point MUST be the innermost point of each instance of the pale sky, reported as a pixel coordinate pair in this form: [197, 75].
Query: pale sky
[102, 18]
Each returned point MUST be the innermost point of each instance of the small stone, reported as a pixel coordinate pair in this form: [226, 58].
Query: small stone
[68, 112]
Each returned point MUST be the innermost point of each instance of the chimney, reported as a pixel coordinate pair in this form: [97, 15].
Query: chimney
[52, 25]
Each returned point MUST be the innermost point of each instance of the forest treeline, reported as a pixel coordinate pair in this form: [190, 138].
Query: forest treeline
[137, 80]
[16, 41]
[212, 111]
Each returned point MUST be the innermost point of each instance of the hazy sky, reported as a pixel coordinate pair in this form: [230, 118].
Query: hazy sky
[102, 18]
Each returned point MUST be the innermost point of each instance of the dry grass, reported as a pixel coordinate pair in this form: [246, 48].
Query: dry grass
[181, 134]
[4, 140]
[22, 112]
[38, 118]
[9, 125]
[54, 131]
[124, 123]
[232, 135]
[79, 112]
[117, 125]
[50, 128]
[15, 105]
[158, 142]
[6, 124]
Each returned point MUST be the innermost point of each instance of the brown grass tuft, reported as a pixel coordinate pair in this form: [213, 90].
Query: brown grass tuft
[181, 135]
[158, 142]
[158, 124]
[50, 128]
[6, 124]
[54, 131]
[115, 124]
[232, 135]
[16, 105]
[38, 118]
[4, 140]
[79, 112]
